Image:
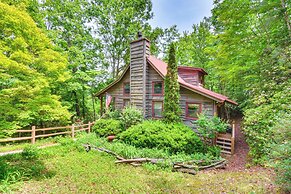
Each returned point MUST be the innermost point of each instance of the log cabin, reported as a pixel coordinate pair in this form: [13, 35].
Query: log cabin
[142, 84]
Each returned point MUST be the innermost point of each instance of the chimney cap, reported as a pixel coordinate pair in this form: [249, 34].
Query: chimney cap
[139, 34]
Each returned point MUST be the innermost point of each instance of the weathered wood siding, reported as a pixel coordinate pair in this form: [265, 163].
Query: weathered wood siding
[189, 96]
[185, 96]
[208, 105]
[190, 76]
[117, 91]
[138, 69]
[152, 76]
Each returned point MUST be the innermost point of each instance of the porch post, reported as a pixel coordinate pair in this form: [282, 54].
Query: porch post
[101, 105]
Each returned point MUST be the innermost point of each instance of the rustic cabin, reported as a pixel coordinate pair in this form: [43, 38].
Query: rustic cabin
[142, 84]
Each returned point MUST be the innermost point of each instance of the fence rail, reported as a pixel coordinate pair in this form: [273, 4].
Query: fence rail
[71, 130]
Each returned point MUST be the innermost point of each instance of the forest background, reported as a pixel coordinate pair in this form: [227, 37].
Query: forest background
[55, 55]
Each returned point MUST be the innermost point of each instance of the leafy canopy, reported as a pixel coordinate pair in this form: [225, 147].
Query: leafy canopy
[30, 71]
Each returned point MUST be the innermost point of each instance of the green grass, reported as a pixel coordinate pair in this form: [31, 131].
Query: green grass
[69, 169]
[20, 145]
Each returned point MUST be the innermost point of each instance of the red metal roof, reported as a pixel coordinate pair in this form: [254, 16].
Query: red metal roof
[161, 67]
[193, 69]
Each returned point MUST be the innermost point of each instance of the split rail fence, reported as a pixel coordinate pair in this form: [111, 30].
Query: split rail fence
[42, 132]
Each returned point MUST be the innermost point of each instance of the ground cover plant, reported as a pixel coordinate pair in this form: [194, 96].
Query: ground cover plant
[68, 168]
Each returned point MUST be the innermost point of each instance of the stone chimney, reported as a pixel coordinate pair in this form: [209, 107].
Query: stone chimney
[139, 50]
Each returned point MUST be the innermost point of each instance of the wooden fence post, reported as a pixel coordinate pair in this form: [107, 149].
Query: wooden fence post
[89, 127]
[33, 134]
[73, 131]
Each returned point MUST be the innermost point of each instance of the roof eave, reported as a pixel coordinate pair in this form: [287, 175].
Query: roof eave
[113, 83]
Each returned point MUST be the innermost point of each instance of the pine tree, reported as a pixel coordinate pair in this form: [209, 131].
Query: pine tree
[172, 109]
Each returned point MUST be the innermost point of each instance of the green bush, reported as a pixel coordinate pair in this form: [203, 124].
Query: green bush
[131, 116]
[260, 120]
[209, 127]
[30, 152]
[105, 127]
[115, 114]
[156, 134]
[281, 151]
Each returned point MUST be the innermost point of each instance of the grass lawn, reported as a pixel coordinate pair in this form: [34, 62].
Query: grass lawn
[67, 169]
[20, 145]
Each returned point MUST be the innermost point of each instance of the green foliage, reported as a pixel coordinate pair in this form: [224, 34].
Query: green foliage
[109, 16]
[208, 127]
[105, 127]
[156, 134]
[259, 123]
[281, 151]
[172, 110]
[30, 152]
[131, 116]
[30, 71]
[115, 114]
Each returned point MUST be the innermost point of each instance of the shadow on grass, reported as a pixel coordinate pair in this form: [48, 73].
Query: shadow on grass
[15, 168]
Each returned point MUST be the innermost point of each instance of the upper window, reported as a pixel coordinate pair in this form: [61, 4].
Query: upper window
[157, 108]
[193, 110]
[157, 88]
[126, 88]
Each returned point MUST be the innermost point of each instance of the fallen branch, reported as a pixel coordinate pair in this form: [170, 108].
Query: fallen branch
[214, 165]
[141, 160]
[184, 167]
[88, 147]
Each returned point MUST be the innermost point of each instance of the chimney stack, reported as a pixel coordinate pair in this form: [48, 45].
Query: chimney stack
[139, 50]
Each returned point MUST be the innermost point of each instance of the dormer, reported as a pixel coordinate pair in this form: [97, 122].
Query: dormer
[192, 75]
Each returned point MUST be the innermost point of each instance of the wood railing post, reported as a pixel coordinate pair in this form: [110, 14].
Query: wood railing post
[233, 137]
[33, 134]
[89, 127]
[233, 129]
[73, 131]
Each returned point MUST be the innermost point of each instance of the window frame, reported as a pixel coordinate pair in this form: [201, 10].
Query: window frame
[124, 100]
[125, 83]
[187, 110]
[153, 88]
[153, 109]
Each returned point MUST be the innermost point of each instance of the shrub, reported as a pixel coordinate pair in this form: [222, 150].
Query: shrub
[281, 151]
[260, 120]
[131, 116]
[115, 114]
[30, 152]
[105, 127]
[156, 134]
[208, 127]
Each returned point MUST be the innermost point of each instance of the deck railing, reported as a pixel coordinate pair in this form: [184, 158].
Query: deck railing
[226, 141]
[35, 132]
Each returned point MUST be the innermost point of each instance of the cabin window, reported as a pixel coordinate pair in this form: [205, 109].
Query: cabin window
[193, 110]
[126, 103]
[126, 88]
[157, 109]
[158, 88]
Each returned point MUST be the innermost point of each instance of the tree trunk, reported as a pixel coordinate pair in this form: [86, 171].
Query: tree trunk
[83, 103]
[77, 107]
[286, 16]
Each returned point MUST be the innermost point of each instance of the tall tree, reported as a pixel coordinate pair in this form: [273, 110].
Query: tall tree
[31, 70]
[116, 24]
[252, 56]
[172, 109]
[67, 23]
